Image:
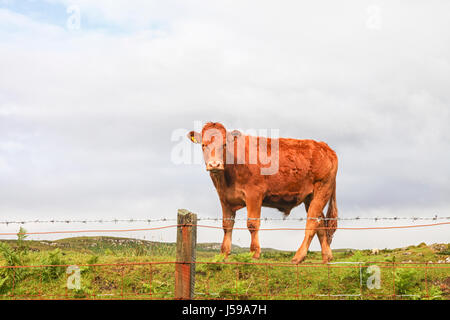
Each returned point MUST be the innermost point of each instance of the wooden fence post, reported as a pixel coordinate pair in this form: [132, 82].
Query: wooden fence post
[186, 245]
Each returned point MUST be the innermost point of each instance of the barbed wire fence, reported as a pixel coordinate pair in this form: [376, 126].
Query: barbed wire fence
[240, 270]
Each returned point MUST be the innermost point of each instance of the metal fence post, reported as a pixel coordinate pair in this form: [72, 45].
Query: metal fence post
[186, 245]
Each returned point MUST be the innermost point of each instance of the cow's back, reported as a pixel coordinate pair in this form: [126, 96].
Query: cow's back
[302, 162]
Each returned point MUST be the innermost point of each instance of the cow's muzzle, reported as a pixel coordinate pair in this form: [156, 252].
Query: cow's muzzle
[215, 165]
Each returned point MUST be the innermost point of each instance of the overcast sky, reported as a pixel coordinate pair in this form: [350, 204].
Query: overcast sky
[91, 93]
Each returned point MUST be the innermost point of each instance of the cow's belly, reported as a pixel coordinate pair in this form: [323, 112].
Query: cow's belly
[282, 203]
[286, 201]
[281, 196]
[283, 200]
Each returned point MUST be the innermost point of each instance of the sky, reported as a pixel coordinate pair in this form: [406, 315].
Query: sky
[94, 96]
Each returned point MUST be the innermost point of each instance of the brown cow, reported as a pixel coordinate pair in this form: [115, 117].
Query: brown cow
[306, 174]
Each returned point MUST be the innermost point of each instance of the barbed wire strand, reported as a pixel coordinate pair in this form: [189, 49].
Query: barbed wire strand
[132, 220]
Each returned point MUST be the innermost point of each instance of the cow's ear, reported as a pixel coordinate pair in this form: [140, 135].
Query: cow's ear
[233, 135]
[195, 137]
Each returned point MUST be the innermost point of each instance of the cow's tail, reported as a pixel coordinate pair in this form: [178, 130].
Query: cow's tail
[332, 215]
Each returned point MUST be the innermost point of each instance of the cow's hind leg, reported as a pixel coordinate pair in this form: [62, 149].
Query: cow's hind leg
[228, 216]
[322, 194]
[327, 255]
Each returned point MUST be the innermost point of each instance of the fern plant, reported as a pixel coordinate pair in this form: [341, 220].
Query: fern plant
[22, 246]
[8, 276]
[54, 261]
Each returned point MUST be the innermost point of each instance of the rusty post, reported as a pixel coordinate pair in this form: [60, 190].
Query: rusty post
[186, 245]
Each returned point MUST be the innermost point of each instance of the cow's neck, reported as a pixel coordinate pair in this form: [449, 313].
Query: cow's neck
[219, 180]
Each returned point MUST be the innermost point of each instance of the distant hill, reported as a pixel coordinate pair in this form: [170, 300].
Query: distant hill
[115, 243]
[100, 243]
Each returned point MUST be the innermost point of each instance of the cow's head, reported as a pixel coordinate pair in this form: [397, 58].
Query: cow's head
[214, 138]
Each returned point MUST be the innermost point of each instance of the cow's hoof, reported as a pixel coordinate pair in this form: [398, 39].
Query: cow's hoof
[297, 260]
[225, 255]
[327, 259]
[256, 255]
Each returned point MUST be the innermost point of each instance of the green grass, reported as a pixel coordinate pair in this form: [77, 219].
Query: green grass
[116, 268]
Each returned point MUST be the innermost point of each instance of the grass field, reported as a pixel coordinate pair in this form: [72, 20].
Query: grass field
[121, 268]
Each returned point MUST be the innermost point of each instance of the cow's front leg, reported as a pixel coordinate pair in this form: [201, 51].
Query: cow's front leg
[228, 216]
[253, 222]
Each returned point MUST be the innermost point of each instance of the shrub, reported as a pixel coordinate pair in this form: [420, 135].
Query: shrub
[140, 251]
[356, 257]
[21, 245]
[406, 281]
[53, 258]
[247, 267]
[215, 266]
[8, 276]
[109, 252]
[434, 293]
[239, 291]
[92, 260]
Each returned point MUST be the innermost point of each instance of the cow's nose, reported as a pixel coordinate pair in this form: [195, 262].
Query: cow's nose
[214, 165]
